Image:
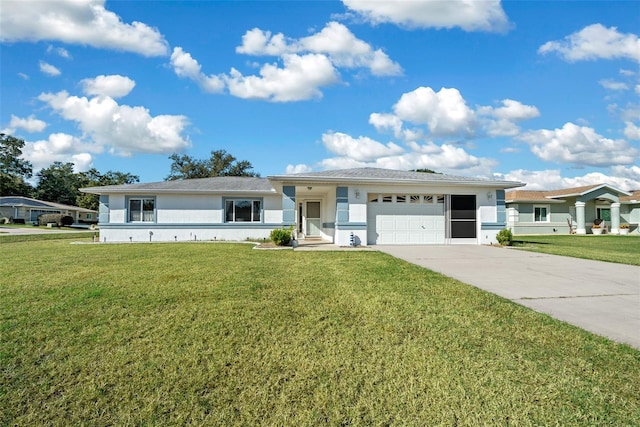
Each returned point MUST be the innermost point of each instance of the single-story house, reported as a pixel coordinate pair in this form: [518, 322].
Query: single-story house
[25, 209]
[352, 206]
[554, 212]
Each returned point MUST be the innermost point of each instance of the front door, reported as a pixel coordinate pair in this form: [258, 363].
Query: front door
[313, 219]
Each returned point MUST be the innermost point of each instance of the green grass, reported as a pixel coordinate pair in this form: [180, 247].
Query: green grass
[83, 236]
[619, 249]
[220, 334]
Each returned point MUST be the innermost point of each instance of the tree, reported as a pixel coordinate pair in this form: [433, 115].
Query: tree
[220, 163]
[58, 183]
[424, 170]
[93, 178]
[14, 171]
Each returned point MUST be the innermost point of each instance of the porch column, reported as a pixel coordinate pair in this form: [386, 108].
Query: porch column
[580, 218]
[615, 218]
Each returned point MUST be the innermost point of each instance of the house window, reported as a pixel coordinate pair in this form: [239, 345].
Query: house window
[142, 209]
[415, 199]
[89, 216]
[242, 210]
[540, 214]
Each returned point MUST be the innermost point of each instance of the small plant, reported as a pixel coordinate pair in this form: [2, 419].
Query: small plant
[505, 237]
[281, 236]
[595, 226]
[624, 226]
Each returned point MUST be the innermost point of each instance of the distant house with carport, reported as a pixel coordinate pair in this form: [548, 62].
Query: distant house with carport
[25, 209]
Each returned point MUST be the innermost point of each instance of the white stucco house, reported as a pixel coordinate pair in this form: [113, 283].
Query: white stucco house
[352, 206]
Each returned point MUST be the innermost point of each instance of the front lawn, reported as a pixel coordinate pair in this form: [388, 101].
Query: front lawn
[221, 334]
[620, 249]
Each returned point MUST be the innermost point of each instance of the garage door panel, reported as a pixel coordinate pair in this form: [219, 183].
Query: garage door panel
[399, 223]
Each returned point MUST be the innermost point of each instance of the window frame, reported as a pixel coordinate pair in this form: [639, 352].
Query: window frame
[142, 200]
[252, 201]
[547, 213]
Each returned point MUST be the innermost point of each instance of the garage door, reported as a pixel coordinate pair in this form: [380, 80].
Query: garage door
[405, 223]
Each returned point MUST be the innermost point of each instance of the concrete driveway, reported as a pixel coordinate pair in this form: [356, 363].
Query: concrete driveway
[601, 297]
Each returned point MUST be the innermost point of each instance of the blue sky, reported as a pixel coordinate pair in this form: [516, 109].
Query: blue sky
[547, 93]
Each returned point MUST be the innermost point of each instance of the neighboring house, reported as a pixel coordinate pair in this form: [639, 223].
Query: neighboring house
[353, 206]
[553, 212]
[27, 210]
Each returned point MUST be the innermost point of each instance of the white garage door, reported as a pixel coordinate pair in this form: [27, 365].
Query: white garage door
[405, 223]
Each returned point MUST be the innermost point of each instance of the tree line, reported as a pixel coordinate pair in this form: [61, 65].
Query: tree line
[60, 184]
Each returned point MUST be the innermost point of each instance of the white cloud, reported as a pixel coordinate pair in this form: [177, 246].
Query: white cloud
[485, 15]
[259, 42]
[23, 76]
[60, 51]
[382, 122]
[502, 120]
[632, 131]
[300, 168]
[335, 40]
[124, 128]
[361, 149]
[84, 22]
[637, 89]
[595, 42]
[59, 147]
[49, 69]
[114, 86]
[30, 124]
[300, 79]
[613, 85]
[445, 112]
[346, 50]
[626, 179]
[579, 145]
[184, 65]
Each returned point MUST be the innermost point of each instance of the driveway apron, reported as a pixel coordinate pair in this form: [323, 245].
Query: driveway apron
[601, 297]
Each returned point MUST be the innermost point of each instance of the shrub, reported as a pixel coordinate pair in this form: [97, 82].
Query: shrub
[505, 237]
[281, 236]
[58, 219]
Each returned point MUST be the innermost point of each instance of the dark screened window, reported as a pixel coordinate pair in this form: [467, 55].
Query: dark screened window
[463, 216]
[243, 210]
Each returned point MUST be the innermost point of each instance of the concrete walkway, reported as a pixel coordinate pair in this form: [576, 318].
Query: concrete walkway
[601, 297]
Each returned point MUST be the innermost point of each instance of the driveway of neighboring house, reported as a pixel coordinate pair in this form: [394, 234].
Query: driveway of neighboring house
[601, 297]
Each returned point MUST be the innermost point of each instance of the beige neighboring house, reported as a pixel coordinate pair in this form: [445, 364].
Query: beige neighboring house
[25, 209]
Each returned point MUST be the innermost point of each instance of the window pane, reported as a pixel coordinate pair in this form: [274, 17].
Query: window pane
[256, 210]
[313, 209]
[135, 210]
[228, 209]
[540, 214]
[148, 210]
[242, 211]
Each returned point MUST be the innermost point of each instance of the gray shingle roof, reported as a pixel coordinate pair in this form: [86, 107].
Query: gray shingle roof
[388, 175]
[199, 185]
[34, 203]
